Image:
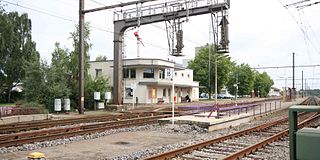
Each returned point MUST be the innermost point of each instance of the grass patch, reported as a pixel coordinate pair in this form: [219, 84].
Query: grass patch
[7, 104]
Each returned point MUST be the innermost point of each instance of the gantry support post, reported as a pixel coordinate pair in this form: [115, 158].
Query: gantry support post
[117, 62]
[121, 25]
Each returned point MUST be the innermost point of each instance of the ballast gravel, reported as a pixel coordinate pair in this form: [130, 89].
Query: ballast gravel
[129, 143]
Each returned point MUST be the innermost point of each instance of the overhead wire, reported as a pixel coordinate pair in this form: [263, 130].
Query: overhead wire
[297, 66]
[302, 30]
[37, 10]
[127, 36]
[165, 29]
[70, 19]
[97, 2]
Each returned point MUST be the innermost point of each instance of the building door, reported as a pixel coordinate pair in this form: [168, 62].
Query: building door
[152, 95]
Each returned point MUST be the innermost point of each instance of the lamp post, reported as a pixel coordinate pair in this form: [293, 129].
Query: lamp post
[216, 81]
[236, 86]
[209, 50]
[216, 78]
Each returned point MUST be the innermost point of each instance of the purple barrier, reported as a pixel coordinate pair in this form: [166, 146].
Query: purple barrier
[5, 110]
[221, 109]
[236, 107]
[197, 106]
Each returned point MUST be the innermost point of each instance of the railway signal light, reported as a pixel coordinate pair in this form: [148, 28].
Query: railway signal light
[179, 45]
[224, 41]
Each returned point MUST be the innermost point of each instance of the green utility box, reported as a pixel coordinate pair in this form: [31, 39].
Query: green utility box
[308, 144]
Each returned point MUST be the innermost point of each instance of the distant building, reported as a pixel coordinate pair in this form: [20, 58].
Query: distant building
[224, 93]
[147, 80]
[197, 49]
[185, 63]
[274, 92]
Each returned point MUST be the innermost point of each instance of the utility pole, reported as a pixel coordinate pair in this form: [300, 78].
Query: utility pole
[293, 88]
[305, 86]
[81, 55]
[236, 85]
[302, 85]
[209, 70]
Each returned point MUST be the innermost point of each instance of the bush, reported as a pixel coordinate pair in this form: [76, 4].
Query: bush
[33, 105]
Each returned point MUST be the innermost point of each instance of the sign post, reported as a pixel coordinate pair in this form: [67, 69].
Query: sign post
[133, 87]
[169, 74]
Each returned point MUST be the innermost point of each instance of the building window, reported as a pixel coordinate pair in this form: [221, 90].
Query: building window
[175, 73]
[188, 75]
[125, 73]
[148, 73]
[98, 72]
[133, 73]
[164, 93]
[161, 74]
[169, 92]
[182, 74]
[129, 92]
[129, 73]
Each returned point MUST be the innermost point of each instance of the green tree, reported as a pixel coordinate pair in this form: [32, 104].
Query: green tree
[16, 50]
[44, 82]
[243, 77]
[262, 84]
[74, 62]
[34, 83]
[99, 84]
[58, 76]
[101, 58]
[200, 66]
[90, 85]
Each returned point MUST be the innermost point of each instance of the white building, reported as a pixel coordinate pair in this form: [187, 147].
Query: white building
[274, 92]
[146, 80]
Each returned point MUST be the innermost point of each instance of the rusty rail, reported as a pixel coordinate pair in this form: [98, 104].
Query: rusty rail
[44, 135]
[190, 148]
[33, 125]
[255, 147]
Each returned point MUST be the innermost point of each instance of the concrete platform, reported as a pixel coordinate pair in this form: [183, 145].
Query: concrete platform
[24, 118]
[227, 119]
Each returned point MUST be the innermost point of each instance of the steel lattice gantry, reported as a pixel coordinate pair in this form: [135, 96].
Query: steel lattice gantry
[121, 24]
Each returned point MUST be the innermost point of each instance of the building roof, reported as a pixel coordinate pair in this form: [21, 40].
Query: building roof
[145, 62]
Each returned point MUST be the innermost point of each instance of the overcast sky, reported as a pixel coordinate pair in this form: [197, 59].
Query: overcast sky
[262, 33]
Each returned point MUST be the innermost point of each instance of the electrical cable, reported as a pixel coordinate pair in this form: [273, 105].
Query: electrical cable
[303, 31]
[97, 2]
[165, 29]
[276, 67]
[71, 20]
[144, 20]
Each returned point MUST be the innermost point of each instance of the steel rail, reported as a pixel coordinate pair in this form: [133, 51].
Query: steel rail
[187, 149]
[29, 137]
[248, 150]
[33, 125]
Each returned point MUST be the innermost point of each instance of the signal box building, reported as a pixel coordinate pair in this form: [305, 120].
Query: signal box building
[149, 81]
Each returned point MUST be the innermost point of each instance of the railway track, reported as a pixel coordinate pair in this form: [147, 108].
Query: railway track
[36, 125]
[314, 100]
[236, 145]
[15, 139]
